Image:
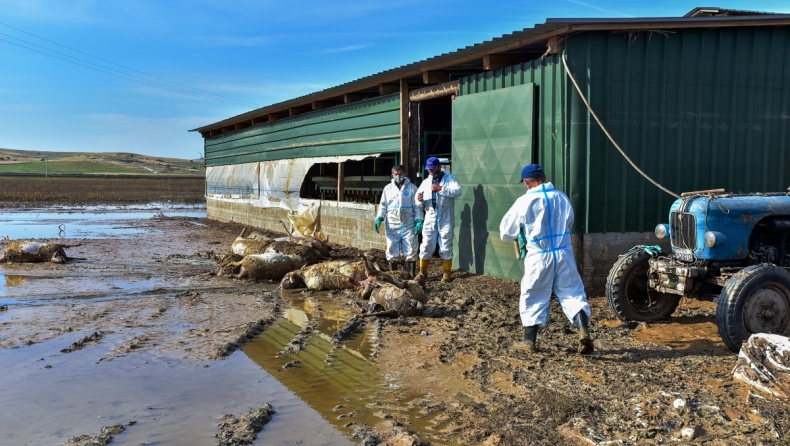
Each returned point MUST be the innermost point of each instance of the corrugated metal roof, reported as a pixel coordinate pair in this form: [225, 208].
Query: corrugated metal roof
[519, 39]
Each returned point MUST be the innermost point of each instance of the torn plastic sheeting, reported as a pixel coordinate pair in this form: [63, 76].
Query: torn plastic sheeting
[281, 180]
[236, 182]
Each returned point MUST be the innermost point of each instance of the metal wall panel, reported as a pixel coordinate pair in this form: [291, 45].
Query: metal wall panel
[695, 109]
[493, 134]
[370, 126]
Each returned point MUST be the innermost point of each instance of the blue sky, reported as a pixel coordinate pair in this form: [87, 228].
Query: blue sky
[251, 53]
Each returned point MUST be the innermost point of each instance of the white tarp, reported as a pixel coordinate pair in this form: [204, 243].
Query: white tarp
[237, 182]
[281, 180]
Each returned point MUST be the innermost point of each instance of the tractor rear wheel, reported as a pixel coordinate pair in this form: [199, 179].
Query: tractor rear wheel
[628, 294]
[755, 300]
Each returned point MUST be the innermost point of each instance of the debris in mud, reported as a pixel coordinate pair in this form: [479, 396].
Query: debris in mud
[292, 364]
[297, 343]
[234, 431]
[35, 252]
[103, 438]
[81, 343]
[351, 327]
[764, 364]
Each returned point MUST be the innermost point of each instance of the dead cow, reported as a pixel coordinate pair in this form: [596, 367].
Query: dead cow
[331, 275]
[35, 252]
[321, 246]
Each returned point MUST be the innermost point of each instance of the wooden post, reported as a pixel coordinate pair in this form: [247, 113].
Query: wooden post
[413, 162]
[404, 124]
[341, 181]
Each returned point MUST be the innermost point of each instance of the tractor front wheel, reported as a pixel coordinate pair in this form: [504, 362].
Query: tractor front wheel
[628, 294]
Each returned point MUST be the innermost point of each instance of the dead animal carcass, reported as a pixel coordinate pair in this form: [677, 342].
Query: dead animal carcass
[35, 252]
[321, 246]
[254, 243]
[764, 363]
[409, 300]
[279, 259]
[267, 266]
[331, 275]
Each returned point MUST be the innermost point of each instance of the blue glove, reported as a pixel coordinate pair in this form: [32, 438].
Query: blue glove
[418, 226]
[378, 223]
[522, 242]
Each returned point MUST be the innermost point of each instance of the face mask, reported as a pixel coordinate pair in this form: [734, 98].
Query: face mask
[398, 178]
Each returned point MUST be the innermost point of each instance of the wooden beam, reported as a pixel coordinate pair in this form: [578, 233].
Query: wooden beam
[497, 61]
[341, 181]
[243, 124]
[205, 134]
[352, 97]
[320, 105]
[277, 115]
[385, 89]
[412, 163]
[404, 124]
[434, 76]
[555, 45]
[296, 111]
[260, 119]
[434, 91]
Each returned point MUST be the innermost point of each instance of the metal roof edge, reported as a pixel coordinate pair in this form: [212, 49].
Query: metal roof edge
[552, 26]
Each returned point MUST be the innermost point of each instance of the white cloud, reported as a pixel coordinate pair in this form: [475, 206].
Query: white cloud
[599, 9]
[345, 48]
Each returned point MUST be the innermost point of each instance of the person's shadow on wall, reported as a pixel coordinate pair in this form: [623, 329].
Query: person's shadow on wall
[479, 228]
[465, 258]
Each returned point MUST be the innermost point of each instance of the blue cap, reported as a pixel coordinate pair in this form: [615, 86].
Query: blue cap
[432, 163]
[531, 171]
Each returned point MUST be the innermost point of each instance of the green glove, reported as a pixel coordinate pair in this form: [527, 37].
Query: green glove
[377, 225]
[418, 226]
[522, 242]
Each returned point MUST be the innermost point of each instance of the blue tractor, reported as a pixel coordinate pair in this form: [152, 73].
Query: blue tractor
[733, 249]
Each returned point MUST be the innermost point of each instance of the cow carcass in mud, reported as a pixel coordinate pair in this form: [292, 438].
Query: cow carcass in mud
[325, 276]
[18, 251]
[279, 259]
[321, 246]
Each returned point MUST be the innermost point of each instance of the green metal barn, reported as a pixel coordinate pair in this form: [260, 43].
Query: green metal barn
[697, 102]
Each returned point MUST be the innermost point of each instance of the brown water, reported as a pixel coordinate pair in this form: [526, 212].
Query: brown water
[351, 388]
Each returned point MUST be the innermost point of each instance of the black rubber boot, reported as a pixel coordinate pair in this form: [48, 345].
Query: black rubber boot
[392, 266]
[530, 339]
[412, 268]
[585, 342]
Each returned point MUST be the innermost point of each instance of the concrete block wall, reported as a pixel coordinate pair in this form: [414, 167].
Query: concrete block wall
[597, 253]
[351, 224]
[348, 224]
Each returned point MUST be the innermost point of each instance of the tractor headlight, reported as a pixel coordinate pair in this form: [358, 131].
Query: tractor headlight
[714, 238]
[662, 230]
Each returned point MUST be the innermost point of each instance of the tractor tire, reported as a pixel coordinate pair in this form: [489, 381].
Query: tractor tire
[755, 300]
[627, 291]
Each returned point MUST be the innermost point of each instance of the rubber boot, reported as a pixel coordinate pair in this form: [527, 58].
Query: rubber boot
[585, 342]
[447, 265]
[411, 266]
[424, 268]
[530, 339]
[392, 266]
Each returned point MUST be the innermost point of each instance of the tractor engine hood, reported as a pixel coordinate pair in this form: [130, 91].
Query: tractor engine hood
[733, 215]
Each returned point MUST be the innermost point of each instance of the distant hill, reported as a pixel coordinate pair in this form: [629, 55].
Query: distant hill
[75, 163]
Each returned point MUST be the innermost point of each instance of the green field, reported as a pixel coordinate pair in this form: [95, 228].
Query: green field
[69, 167]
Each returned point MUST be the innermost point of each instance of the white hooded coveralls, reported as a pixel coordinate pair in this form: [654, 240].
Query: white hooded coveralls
[439, 216]
[547, 216]
[399, 208]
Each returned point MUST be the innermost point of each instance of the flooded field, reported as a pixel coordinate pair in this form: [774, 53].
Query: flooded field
[141, 334]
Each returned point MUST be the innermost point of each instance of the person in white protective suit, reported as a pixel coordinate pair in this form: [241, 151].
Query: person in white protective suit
[404, 217]
[541, 220]
[437, 194]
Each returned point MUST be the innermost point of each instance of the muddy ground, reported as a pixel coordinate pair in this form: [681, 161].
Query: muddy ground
[652, 383]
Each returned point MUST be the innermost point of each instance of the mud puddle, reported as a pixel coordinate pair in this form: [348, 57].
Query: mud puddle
[169, 401]
[38, 224]
[342, 384]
